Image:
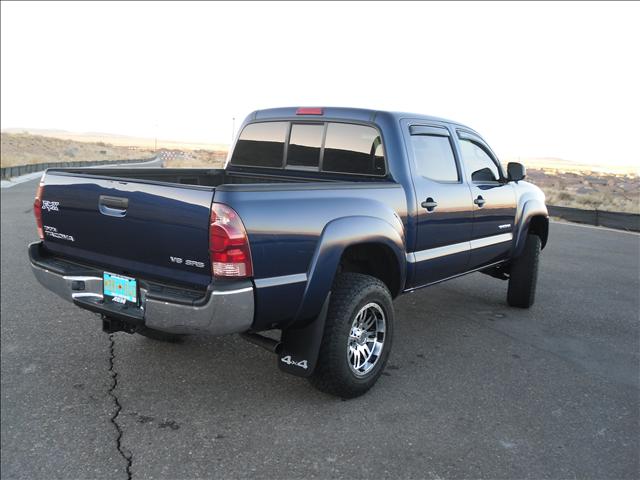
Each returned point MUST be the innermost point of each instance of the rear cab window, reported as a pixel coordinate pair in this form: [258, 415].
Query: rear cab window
[353, 149]
[332, 147]
[433, 154]
[261, 145]
[305, 143]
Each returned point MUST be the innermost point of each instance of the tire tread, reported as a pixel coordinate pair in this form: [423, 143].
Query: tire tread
[327, 376]
[524, 274]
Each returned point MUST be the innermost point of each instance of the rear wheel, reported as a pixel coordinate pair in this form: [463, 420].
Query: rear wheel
[357, 336]
[523, 275]
[160, 335]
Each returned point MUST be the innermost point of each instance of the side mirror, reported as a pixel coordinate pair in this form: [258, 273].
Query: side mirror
[515, 171]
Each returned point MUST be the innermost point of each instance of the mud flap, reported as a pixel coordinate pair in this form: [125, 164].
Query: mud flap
[300, 347]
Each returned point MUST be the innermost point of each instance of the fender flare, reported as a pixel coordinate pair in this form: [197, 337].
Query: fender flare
[531, 208]
[337, 236]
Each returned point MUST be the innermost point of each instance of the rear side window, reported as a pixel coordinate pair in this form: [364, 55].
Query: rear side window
[434, 158]
[478, 162]
[304, 145]
[261, 145]
[353, 149]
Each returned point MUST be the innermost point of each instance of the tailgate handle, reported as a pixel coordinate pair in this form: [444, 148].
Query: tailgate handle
[113, 206]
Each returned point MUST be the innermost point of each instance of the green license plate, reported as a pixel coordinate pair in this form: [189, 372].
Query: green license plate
[120, 288]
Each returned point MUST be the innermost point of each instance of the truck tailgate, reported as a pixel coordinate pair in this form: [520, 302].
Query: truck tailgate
[135, 228]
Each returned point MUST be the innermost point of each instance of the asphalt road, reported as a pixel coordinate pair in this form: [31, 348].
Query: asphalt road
[473, 389]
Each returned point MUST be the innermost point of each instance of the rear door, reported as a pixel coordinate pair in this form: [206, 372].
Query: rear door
[494, 201]
[141, 229]
[444, 206]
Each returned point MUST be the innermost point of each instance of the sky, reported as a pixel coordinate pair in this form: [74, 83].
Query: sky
[535, 79]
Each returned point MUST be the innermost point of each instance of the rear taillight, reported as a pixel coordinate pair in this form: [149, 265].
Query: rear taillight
[37, 208]
[228, 244]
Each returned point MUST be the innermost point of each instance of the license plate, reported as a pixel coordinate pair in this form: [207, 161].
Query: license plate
[120, 288]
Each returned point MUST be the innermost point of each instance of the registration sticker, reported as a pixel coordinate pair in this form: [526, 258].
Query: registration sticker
[122, 289]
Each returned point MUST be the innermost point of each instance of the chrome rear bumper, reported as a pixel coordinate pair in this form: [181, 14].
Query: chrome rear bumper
[224, 309]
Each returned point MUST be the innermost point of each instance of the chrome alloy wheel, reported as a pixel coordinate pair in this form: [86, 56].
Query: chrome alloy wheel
[366, 339]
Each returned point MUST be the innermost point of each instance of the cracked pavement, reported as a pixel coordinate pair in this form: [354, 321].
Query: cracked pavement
[126, 454]
[473, 389]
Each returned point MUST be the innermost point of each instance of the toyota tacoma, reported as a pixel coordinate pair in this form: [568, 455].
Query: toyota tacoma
[319, 220]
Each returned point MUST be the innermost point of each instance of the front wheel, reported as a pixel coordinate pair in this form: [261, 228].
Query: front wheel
[523, 275]
[357, 336]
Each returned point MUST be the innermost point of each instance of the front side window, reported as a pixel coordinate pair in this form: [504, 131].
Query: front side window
[261, 145]
[478, 162]
[353, 148]
[304, 145]
[434, 158]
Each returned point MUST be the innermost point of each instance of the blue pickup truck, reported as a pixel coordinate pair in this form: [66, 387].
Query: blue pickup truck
[320, 218]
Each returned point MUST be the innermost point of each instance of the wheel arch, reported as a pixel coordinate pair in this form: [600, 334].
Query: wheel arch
[375, 259]
[346, 245]
[532, 218]
[539, 225]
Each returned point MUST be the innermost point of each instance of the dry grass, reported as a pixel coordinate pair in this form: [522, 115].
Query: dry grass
[26, 149]
[599, 201]
[589, 190]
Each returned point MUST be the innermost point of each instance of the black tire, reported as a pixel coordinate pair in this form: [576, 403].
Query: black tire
[159, 335]
[523, 275]
[351, 292]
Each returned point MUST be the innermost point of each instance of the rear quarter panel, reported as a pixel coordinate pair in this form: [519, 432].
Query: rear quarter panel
[285, 225]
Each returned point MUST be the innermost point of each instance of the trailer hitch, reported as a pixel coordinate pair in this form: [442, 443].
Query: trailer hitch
[113, 325]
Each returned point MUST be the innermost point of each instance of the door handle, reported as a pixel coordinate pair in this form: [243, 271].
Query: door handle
[430, 204]
[479, 201]
[113, 206]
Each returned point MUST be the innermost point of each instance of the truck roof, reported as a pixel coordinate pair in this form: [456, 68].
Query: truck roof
[344, 113]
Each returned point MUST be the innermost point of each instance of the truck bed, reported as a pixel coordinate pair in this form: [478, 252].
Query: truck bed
[211, 177]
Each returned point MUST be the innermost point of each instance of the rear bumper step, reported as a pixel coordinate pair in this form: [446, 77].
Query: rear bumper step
[222, 309]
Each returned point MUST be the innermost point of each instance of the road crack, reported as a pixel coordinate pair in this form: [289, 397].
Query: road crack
[126, 455]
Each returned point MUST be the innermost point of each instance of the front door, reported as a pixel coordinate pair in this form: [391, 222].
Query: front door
[494, 202]
[445, 215]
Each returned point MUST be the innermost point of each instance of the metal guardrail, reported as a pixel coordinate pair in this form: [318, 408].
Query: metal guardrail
[603, 218]
[8, 172]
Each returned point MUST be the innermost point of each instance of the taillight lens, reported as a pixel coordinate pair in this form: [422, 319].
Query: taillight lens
[228, 244]
[37, 209]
